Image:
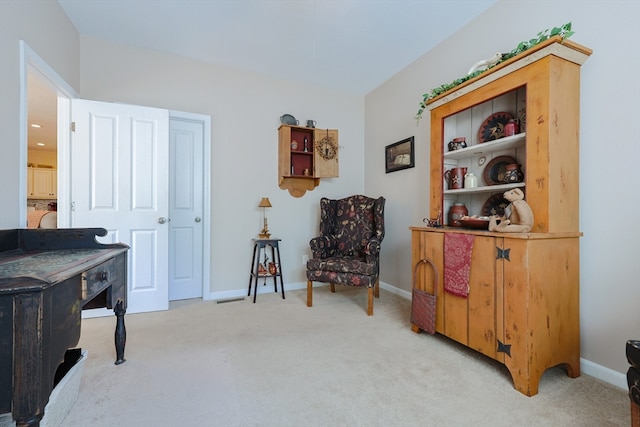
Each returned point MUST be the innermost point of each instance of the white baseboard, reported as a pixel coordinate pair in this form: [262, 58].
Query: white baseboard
[603, 373]
[394, 290]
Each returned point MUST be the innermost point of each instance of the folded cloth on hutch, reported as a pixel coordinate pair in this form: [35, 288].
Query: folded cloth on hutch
[457, 263]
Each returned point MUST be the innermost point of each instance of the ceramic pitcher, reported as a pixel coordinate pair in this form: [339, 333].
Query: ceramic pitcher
[455, 178]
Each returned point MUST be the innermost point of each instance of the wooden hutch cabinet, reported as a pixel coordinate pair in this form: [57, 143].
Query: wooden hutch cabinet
[305, 155]
[522, 308]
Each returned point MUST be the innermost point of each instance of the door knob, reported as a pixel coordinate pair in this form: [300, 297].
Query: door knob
[198, 219]
[162, 220]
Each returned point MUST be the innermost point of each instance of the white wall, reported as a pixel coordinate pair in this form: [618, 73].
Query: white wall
[47, 30]
[609, 156]
[245, 110]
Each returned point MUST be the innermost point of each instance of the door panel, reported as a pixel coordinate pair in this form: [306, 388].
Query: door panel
[186, 143]
[482, 296]
[119, 181]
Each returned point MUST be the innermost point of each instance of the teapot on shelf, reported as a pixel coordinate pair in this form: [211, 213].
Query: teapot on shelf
[457, 143]
[455, 178]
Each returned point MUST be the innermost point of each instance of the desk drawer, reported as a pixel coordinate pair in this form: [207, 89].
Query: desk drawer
[98, 278]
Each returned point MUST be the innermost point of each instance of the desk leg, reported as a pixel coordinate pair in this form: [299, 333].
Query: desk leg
[121, 332]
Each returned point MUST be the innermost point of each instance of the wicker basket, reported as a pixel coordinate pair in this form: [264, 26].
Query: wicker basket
[423, 304]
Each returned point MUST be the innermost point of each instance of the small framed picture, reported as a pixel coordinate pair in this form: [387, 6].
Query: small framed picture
[399, 156]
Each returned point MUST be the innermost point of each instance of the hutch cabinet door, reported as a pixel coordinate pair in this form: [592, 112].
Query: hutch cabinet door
[475, 321]
[284, 151]
[429, 246]
[484, 303]
[472, 321]
[541, 308]
[326, 153]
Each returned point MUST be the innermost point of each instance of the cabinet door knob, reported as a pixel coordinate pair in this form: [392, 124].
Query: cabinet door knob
[198, 219]
[162, 220]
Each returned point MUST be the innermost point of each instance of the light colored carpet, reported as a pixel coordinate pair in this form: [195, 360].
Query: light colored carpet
[280, 363]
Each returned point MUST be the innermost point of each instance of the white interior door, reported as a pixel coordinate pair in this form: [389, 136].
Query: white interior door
[119, 181]
[186, 154]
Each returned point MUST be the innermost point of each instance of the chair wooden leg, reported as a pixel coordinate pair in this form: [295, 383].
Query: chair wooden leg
[332, 286]
[370, 302]
[377, 289]
[309, 293]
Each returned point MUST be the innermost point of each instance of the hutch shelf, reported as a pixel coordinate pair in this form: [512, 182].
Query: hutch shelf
[522, 308]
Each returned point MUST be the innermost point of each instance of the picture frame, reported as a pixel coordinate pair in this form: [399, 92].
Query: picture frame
[400, 155]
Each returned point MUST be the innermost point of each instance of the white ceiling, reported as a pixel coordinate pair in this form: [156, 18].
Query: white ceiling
[345, 45]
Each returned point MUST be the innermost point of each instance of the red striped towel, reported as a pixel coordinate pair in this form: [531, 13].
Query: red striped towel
[457, 263]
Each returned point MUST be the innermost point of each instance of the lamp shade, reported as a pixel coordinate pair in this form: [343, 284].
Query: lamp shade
[264, 203]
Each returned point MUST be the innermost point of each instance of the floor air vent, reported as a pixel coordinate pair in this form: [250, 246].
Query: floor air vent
[223, 301]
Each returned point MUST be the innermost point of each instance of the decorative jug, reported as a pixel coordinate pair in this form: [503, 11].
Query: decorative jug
[456, 212]
[511, 128]
[455, 178]
[512, 174]
[470, 180]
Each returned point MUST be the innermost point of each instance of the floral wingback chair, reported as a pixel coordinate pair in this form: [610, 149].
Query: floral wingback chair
[347, 252]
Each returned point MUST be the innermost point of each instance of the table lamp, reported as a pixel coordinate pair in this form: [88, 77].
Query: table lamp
[264, 204]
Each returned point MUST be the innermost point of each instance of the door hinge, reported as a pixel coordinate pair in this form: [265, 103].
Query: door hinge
[73, 206]
[503, 253]
[73, 126]
[504, 348]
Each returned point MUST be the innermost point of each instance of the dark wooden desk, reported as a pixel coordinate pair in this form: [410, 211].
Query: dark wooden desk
[46, 278]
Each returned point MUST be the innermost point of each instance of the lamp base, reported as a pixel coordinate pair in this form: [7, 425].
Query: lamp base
[264, 233]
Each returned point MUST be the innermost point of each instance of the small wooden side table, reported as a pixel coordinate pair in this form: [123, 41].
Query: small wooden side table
[260, 246]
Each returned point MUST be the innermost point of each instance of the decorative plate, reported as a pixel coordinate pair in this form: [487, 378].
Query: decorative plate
[493, 127]
[495, 205]
[288, 119]
[493, 173]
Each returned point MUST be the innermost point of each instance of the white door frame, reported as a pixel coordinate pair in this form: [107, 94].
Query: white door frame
[31, 61]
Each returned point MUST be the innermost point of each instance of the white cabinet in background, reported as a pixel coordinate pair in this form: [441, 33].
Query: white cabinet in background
[42, 183]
